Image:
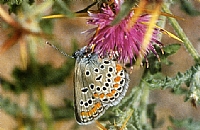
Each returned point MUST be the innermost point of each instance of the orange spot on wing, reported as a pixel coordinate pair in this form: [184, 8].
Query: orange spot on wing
[117, 79]
[101, 95]
[109, 94]
[83, 113]
[116, 85]
[90, 113]
[96, 95]
[98, 105]
[113, 91]
[118, 67]
[94, 109]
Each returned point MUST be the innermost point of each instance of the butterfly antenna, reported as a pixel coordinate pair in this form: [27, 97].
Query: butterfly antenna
[61, 51]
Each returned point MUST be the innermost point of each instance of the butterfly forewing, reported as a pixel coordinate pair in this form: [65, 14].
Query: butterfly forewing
[99, 83]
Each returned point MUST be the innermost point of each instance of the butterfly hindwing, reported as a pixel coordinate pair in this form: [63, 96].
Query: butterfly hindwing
[87, 107]
[99, 83]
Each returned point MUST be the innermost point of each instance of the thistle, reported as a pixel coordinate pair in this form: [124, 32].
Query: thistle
[117, 40]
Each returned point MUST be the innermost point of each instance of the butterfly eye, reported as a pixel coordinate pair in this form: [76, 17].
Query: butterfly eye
[89, 55]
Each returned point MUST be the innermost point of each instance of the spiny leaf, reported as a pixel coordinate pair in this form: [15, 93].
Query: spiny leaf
[39, 75]
[154, 64]
[173, 83]
[136, 120]
[171, 49]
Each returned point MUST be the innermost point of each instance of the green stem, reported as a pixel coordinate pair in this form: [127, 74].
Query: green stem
[144, 102]
[45, 110]
[30, 124]
[161, 23]
[188, 45]
[33, 50]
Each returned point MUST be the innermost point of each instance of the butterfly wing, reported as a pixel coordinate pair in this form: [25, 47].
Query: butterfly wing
[87, 107]
[99, 83]
[111, 81]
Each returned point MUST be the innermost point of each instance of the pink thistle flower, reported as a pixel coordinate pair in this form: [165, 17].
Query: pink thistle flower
[117, 40]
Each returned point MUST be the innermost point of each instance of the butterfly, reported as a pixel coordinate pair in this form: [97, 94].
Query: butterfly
[98, 84]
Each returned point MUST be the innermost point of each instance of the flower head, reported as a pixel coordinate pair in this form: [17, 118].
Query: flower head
[117, 40]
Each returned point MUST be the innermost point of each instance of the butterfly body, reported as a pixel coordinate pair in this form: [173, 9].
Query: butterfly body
[98, 84]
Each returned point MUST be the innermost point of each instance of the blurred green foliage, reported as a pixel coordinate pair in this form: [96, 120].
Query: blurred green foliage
[188, 7]
[188, 124]
[37, 75]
